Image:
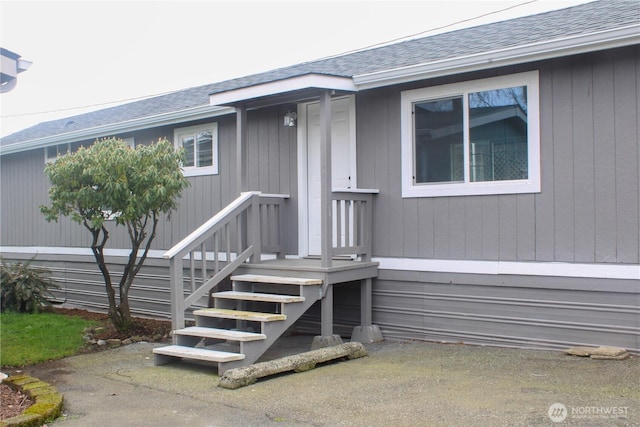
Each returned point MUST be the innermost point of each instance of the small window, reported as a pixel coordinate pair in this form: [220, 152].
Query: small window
[131, 142]
[478, 137]
[53, 152]
[201, 148]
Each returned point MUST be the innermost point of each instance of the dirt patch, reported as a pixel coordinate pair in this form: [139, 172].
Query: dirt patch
[13, 402]
[156, 329]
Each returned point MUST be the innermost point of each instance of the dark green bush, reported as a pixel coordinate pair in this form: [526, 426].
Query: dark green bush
[24, 288]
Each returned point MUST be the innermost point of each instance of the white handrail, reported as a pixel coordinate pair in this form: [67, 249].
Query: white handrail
[356, 190]
[252, 212]
[185, 243]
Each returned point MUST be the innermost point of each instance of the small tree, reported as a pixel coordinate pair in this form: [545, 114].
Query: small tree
[112, 182]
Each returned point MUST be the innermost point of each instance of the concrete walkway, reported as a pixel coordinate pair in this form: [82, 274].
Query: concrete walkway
[398, 384]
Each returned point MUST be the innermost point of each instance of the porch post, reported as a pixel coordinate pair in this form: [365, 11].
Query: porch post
[325, 179]
[177, 294]
[241, 149]
[253, 231]
[327, 338]
[326, 328]
[365, 302]
[367, 332]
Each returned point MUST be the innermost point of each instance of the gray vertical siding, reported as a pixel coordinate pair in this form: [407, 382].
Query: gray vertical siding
[585, 160]
[588, 210]
[23, 189]
[626, 77]
[563, 206]
[272, 152]
[273, 169]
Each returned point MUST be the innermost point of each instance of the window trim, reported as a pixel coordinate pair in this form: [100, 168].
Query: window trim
[53, 159]
[529, 79]
[72, 147]
[195, 170]
[69, 147]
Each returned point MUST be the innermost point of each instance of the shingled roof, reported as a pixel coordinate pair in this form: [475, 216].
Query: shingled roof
[586, 19]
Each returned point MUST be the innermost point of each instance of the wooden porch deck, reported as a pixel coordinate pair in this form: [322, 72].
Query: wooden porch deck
[357, 272]
[341, 270]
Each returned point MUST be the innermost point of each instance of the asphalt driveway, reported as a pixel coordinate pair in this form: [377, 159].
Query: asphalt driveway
[398, 384]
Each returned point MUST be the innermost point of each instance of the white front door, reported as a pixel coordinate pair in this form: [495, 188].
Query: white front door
[343, 165]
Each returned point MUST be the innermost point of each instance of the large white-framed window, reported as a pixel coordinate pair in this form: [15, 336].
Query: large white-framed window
[472, 138]
[201, 148]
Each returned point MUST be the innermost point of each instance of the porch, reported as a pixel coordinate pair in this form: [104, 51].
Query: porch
[242, 247]
[244, 243]
[341, 271]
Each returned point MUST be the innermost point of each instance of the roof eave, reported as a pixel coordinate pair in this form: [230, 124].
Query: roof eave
[573, 45]
[173, 117]
[287, 85]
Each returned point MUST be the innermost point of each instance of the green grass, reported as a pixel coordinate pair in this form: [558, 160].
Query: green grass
[27, 339]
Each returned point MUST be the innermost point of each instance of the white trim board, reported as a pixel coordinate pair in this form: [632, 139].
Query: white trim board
[467, 186]
[153, 254]
[61, 250]
[551, 269]
[554, 269]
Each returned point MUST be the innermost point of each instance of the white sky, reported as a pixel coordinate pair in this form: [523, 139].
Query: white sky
[91, 54]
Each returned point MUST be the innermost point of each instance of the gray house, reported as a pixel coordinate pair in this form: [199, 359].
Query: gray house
[477, 186]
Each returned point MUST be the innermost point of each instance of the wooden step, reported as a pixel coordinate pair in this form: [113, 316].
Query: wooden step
[240, 315]
[255, 296]
[278, 280]
[221, 334]
[197, 353]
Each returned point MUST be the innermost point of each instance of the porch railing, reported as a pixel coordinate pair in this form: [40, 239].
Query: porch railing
[352, 227]
[249, 226]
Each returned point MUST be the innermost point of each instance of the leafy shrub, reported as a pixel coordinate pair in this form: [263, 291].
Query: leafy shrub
[24, 288]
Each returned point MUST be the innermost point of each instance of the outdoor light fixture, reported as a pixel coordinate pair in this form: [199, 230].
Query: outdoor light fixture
[290, 119]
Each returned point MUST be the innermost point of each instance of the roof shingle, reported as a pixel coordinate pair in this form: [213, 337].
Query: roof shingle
[579, 20]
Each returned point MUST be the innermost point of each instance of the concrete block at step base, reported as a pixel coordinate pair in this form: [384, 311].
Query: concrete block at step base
[239, 377]
[367, 334]
[322, 341]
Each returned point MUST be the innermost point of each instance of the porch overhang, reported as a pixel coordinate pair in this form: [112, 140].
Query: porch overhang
[294, 89]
